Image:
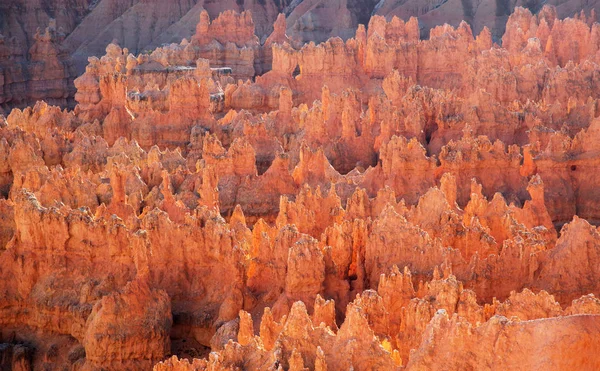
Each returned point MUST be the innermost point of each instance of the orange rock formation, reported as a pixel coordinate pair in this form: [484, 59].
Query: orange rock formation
[83, 28]
[379, 203]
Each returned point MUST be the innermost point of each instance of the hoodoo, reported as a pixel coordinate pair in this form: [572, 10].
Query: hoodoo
[294, 185]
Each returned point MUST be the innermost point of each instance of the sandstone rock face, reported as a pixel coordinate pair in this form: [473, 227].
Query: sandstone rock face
[80, 29]
[35, 69]
[366, 204]
[117, 336]
[571, 335]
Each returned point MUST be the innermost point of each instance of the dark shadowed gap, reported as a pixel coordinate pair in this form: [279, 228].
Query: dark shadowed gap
[362, 9]
[468, 13]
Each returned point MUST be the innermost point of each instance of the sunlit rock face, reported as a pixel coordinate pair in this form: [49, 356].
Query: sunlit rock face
[242, 200]
[41, 65]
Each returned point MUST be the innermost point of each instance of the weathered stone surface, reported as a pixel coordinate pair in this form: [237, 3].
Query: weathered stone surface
[364, 205]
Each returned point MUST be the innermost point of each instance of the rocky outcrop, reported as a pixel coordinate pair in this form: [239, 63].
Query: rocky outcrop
[569, 335]
[364, 205]
[84, 28]
[44, 72]
[129, 329]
